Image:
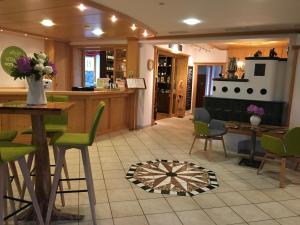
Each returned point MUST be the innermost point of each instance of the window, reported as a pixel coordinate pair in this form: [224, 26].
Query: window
[91, 67]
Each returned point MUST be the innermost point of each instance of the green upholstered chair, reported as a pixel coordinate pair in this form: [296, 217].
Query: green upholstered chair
[79, 141]
[207, 128]
[281, 148]
[10, 152]
[53, 124]
[7, 135]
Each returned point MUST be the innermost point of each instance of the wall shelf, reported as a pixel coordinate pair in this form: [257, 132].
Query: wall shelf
[231, 80]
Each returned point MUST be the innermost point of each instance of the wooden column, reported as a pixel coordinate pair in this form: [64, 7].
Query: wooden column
[133, 54]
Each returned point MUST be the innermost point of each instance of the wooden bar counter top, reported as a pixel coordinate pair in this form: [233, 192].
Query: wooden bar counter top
[120, 109]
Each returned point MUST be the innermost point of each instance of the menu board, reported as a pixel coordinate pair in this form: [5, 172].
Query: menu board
[138, 83]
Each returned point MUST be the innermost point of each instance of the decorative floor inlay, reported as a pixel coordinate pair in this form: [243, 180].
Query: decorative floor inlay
[172, 177]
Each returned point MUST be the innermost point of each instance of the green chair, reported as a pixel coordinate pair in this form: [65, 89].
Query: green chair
[79, 141]
[54, 124]
[9, 136]
[281, 148]
[11, 152]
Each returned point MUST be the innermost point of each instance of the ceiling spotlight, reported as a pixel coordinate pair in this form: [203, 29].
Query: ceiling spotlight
[192, 21]
[97, 31]
[145, 34]
[46, 38]
[81, 7]
[47, 23]
[1, 30]
[113, 18]
[25, 35]
[133, 27]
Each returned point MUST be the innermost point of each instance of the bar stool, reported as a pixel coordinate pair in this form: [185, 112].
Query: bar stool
[79, 141]
[54, 124]
[9, 136]
[10, 153]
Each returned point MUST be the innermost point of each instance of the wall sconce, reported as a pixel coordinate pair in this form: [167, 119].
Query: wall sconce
[240, 64]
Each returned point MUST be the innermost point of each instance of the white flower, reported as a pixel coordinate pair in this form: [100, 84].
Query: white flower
[39, 67]
[48, 70]
[42, 55]
[41, 61]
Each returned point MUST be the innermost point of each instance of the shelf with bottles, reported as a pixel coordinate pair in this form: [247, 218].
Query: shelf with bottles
[164, 61]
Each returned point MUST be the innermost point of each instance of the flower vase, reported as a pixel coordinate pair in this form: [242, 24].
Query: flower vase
[255, 120]
[36, 93]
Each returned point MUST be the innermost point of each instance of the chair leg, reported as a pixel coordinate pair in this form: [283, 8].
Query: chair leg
[29, 165]
[10, 194]
[262, 164]
[297, 165]
[57, 175]
[60, 184]
[16, 176]
[205, 144]
[282, 173]
[224, 146]
[192, 145]
[65, 168]
[2, 192]
[89, 182]
[30, 187]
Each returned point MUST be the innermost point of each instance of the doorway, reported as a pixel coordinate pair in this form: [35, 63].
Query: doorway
[203, 85]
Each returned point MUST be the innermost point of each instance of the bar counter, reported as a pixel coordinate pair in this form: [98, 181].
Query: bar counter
[119, 113]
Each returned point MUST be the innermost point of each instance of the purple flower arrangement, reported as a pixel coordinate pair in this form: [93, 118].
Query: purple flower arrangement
[38, 66]
[255, 110]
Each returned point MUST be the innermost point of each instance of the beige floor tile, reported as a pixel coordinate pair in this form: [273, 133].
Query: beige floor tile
[141, 194]
[223, 216]
[233, 198]
[126, 208]
[179, 203]
[112, 166]
[293, 190]
[293, 205]
[114, 174]
[158, 205]
[195, 217]
[163, 219]
[250, 213]
[102, 211]
[117, 183]
[99, 222]
[277, 194]
[255, 196]
[118, 195]
[208, 201]
[266, 222]
[133, 220]
[275, 210]
[289, 221]
[101, 197]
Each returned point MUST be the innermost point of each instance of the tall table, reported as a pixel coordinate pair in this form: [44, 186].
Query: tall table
[253, 132]
[42, 161]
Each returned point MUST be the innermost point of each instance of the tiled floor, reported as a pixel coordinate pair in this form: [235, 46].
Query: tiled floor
[242, 198]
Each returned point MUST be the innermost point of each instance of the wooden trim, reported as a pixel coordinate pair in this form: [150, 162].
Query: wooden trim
[169, 52]
[225, 34]
[155, 71]
[292, 83]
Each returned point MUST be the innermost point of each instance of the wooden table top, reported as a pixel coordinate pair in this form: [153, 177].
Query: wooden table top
[20, 107]
[246, 129]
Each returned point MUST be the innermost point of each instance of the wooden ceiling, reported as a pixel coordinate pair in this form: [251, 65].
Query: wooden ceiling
[71, 24]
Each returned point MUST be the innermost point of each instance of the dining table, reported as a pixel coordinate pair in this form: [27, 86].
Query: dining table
[254, 132]
[42, 159]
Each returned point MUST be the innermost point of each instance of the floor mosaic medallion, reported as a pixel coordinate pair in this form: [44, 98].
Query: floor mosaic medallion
[172, 177]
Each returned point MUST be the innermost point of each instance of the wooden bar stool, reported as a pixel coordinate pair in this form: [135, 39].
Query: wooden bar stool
[11, 153]
[54, 124]
[79, 141]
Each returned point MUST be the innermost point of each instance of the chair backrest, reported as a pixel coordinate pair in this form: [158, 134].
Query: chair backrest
[292, 141]
[273, 145]
[95, 122]
[61, 119]
[201, 114]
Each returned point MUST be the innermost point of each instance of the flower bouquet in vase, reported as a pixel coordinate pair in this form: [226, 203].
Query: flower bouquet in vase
[34, 69]
[256, 114]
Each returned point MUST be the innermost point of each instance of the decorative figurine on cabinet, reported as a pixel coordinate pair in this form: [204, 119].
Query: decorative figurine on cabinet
[180, 100]
[273, 53]
[258, 54]
[232, 68]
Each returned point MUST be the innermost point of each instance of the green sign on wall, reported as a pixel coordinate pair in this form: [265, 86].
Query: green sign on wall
[9, 56]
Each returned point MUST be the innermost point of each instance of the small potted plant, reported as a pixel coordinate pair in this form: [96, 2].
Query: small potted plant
[256, 114]
[34, 69]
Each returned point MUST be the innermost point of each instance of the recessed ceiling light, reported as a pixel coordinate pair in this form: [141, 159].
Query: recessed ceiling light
[47, 23]
[145, 34]
[46, 38]
[1, 30]
[81, 7]
[113, 18]
[133, 27]
[25, 35]
[192, 21]
[97, 31]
